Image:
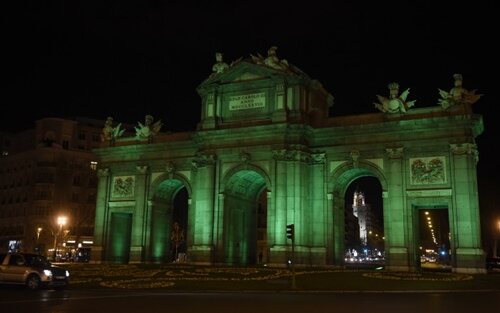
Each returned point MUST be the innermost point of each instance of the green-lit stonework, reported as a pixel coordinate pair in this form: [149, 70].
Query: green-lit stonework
[265, 132]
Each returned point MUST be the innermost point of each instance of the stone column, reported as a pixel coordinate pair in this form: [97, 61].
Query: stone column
[219, 231]
[465, 222]
[101, 225]
[395, 212]
[318, 215]
[201, 250]
[209, 108]
[277, 239]
[137, 242]
[280, 99]
[331, 240]
[299, 208]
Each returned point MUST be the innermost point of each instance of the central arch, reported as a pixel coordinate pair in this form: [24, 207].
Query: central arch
[339, 182]
[245, 216]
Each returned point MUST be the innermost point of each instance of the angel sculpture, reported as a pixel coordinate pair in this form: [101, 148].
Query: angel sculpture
[396, 103]
[110, 133]
[271, 60]
[148, 130]
[457, 94]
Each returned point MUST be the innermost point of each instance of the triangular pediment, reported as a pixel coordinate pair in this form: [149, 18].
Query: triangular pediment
[247, 76]
[245, 71]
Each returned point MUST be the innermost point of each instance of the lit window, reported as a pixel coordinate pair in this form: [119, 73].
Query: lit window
[93, 165]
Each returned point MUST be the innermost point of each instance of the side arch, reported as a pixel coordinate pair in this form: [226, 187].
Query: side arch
[166, 176]
[163, 191]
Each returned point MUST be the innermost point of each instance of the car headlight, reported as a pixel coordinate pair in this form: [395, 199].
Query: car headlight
[67, 273]
[47, 272]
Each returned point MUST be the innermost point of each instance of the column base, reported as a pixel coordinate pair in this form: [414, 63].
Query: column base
[200, 254]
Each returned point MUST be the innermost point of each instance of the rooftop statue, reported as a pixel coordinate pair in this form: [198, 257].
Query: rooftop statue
[396, 103]
[149, 129]
[457, 94]
[110, 133]
[220, 66]
[271, 60]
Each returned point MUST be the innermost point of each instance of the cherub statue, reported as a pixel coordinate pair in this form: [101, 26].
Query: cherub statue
[148, 130]
[396, 103]
[110, 133]
[457, 94]
[219, 66]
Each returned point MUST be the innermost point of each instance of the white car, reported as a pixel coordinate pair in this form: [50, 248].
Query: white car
[32, 270]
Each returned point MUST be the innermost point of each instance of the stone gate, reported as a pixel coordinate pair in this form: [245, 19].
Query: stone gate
[267, 154]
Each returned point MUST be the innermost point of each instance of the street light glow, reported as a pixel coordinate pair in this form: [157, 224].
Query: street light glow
[61, 221]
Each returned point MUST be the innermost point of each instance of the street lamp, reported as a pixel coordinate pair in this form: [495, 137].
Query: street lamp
[495, 235]
[61, 221]
[37, 247]
[38, 231]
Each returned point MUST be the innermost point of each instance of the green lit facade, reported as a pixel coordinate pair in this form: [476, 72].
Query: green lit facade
[266, 129]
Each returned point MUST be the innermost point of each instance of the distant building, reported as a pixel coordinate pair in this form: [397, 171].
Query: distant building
[48, 172]
[351, 226]
[370, 229]
[360, 210]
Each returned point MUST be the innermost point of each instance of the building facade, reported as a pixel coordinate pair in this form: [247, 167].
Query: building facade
[46, 173]
[265, 131]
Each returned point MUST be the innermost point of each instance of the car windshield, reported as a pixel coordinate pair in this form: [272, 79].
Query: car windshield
[36, 260]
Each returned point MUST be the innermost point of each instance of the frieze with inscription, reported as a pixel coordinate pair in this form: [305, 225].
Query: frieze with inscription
[249, 101]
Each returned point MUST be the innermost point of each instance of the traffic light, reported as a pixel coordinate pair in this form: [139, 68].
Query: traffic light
[290, 231]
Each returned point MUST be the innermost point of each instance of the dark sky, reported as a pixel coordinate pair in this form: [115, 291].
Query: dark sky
[126, 60]
[114, 58]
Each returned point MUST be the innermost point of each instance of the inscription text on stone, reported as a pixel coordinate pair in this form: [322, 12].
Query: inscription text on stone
[250, 101]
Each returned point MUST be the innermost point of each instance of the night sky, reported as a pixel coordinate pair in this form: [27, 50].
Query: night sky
[114, 58]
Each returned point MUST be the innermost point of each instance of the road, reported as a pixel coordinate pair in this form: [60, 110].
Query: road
[118, 301]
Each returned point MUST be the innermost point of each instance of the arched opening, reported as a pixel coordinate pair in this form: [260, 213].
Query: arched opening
[364, 223]
[245, 207]
[169, 222]
[345, 228]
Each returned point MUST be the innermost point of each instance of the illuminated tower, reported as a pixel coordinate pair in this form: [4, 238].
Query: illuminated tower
[360, 210]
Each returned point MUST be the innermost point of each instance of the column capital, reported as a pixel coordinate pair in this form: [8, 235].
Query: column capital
[394, 153]
[318, 158]
[103, 172]
[291, 155]
[465, 149]
[203, 160]
[141, 169]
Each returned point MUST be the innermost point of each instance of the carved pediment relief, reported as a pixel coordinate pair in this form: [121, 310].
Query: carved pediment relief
[247, 76]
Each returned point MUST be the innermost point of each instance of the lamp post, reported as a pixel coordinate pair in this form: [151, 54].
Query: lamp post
[37, 247]
[61, 221]
[38, 231]
[495, 236]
